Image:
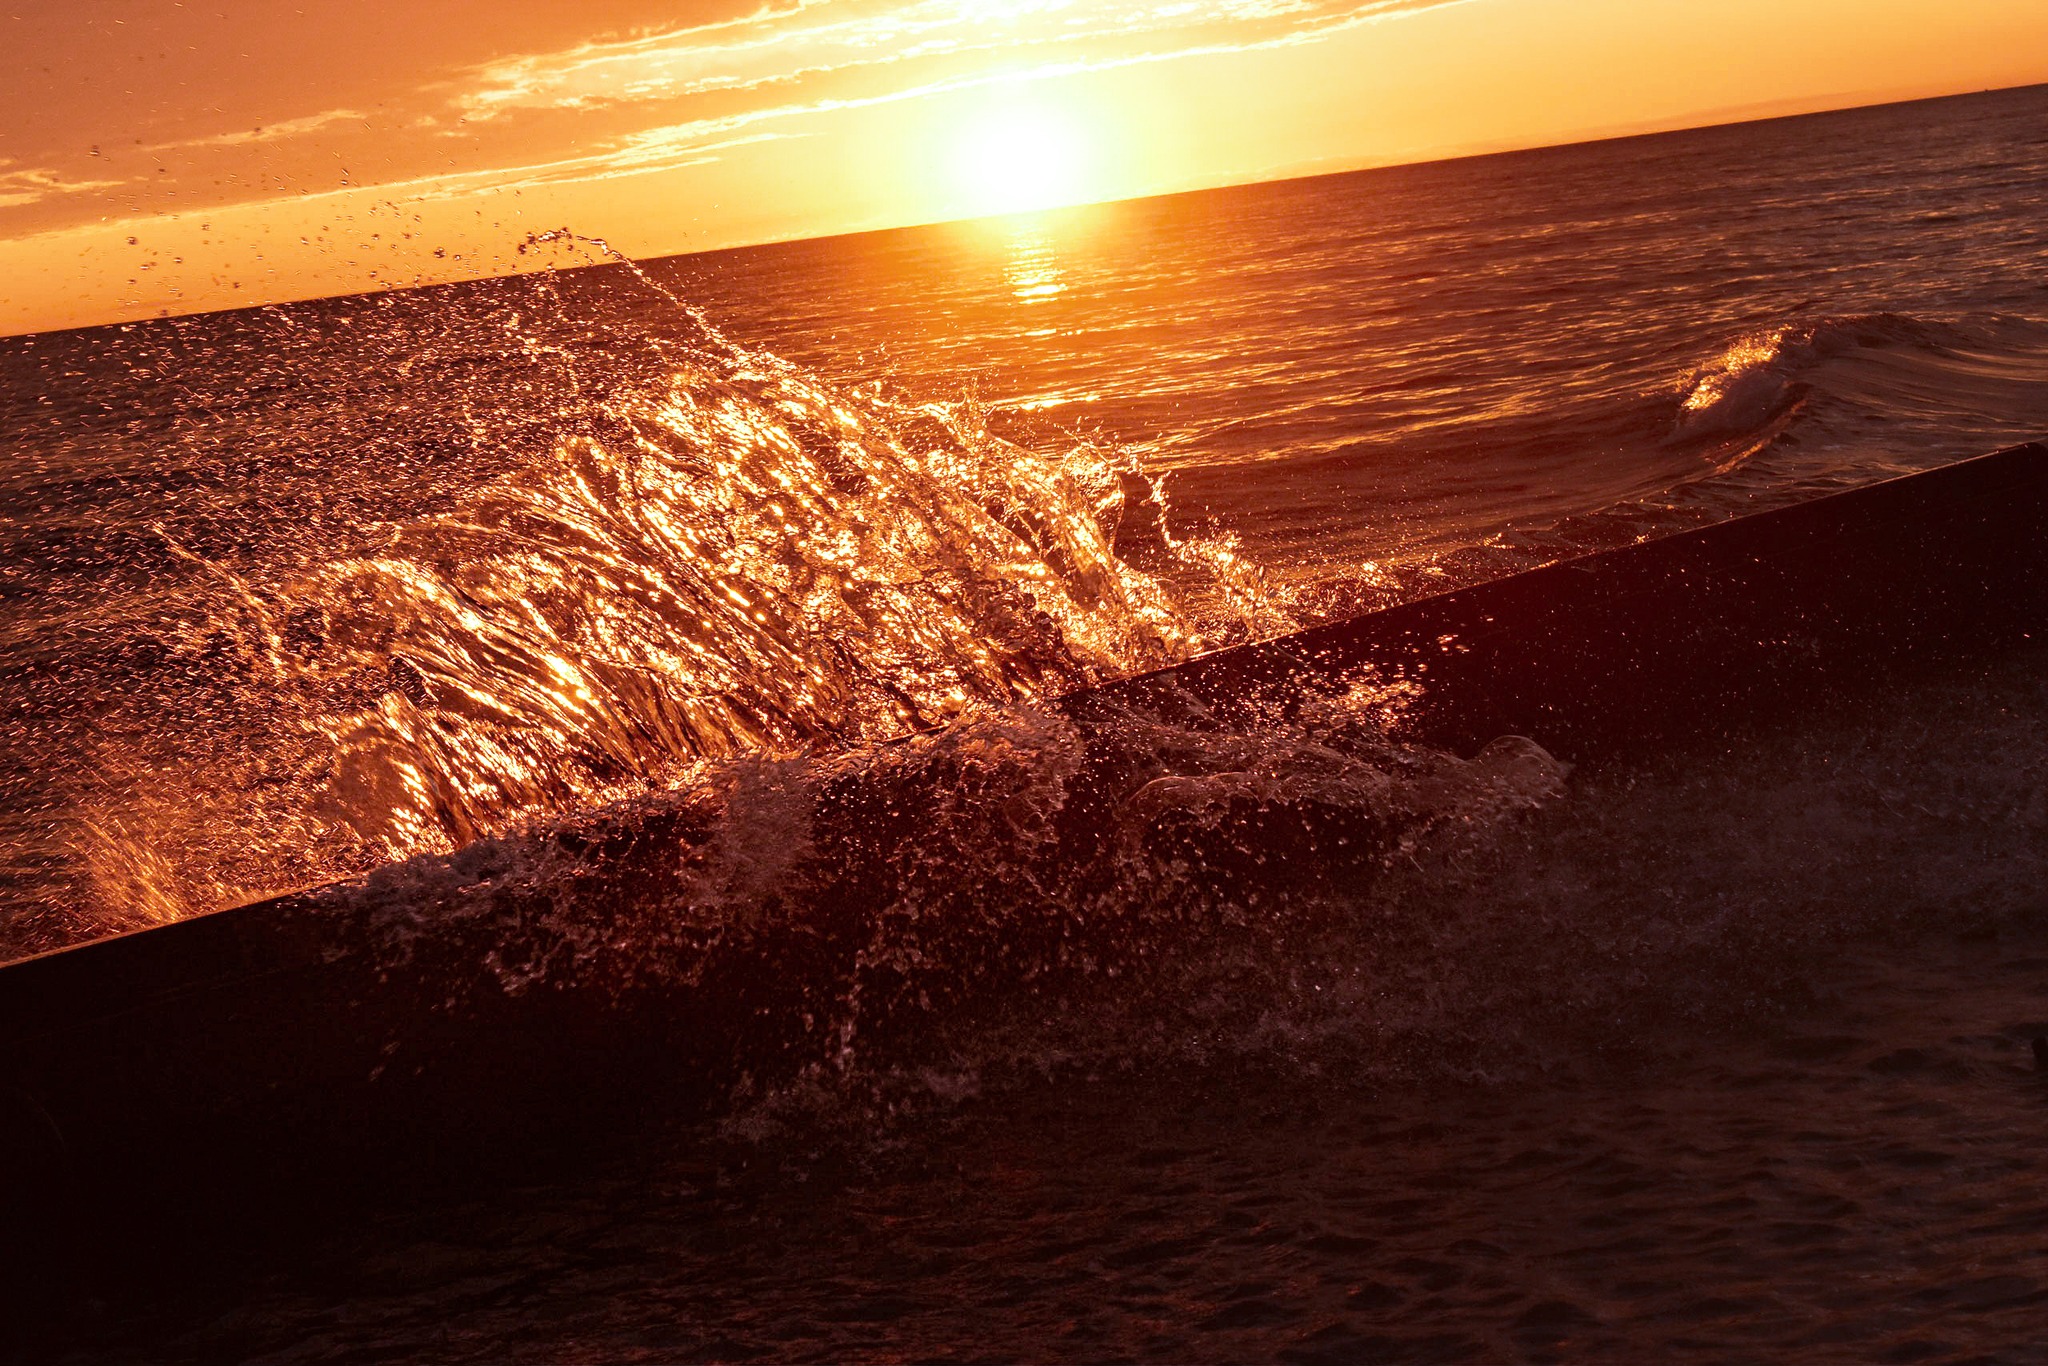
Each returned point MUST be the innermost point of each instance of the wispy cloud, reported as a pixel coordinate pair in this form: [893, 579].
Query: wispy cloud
[654, 149]
[21, 185]
[1038, 39]
[277, 131]
[810, 41]
[684, 96]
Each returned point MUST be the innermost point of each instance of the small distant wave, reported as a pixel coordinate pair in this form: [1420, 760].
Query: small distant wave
[1799, 409]
[1759, 377]
[1839, 400]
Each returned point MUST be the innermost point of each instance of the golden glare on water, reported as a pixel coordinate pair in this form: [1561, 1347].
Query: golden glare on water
[1018, 155]
[1032, 270]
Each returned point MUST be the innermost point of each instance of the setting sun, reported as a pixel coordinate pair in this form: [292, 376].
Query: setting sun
[1019, 156]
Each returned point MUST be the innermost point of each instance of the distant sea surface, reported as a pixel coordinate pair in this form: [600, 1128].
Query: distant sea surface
[1713, 1053]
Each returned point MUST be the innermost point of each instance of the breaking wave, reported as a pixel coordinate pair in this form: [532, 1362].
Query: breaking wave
[394, 575]
[1836, 378]
[644, 552]
[1759, 376]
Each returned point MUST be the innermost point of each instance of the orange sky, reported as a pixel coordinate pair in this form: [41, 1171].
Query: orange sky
[159, 157]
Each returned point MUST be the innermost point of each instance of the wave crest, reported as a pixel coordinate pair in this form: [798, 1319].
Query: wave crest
[1756, 379]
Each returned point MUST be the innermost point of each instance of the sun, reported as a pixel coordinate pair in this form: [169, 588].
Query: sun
[1017, 156]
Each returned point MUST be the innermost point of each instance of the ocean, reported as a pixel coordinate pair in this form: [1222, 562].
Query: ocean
[1708, 1051]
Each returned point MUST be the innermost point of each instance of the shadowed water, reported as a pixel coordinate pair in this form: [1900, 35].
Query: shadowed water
[1725, 1054]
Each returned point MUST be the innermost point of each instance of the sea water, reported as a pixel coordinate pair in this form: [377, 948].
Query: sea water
[290, 593]
[390, 592]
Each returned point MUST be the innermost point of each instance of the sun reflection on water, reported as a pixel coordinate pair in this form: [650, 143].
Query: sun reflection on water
[1032, 271]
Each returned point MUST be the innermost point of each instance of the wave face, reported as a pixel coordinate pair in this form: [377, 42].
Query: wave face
[1752, 389]
[291, 594]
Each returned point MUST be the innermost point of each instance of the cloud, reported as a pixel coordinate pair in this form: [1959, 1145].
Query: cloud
[683, 95]
[21, 185]
[654, 149]
[1039, 39]
[276, 131]
[788, 47]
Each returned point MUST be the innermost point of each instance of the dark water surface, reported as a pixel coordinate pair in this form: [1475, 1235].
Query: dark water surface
[1698, 1053]
[1724, 1058]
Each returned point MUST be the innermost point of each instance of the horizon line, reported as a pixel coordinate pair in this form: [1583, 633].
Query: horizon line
[1281, 174]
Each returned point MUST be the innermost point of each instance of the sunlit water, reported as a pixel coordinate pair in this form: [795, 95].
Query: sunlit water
[654, 557]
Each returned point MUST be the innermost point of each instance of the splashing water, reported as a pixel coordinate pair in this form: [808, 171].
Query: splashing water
[655, 548]
[836, 925]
